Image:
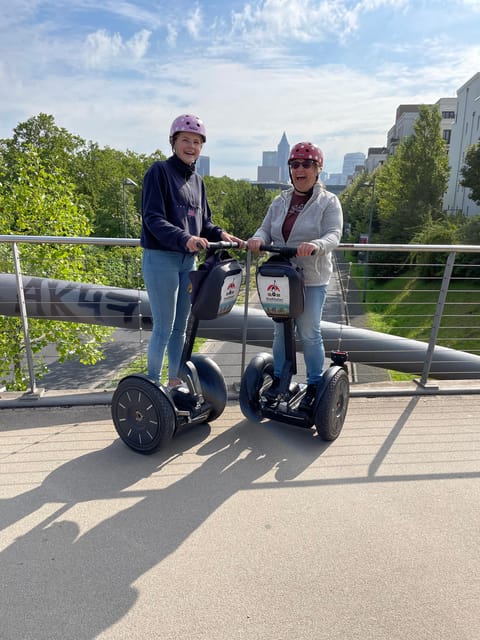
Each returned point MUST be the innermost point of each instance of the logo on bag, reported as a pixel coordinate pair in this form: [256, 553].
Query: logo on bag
[273, 290]
[229, 293]
[274, 294]
[231, 289]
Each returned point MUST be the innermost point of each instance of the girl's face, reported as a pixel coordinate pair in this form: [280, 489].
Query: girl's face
[188, 146]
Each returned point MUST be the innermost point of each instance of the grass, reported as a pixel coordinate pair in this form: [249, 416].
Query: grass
[406, 307]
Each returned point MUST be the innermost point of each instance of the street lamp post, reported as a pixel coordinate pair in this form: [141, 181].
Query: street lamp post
[369, 236]
[126, 182]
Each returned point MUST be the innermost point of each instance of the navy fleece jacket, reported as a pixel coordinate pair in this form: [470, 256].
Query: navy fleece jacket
[175, 207]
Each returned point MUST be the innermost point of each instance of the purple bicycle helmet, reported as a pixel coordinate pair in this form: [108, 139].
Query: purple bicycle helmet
[188, 122]
[306, 151]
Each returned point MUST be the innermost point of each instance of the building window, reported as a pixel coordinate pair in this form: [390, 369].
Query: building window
[446, 134]
[448, 115]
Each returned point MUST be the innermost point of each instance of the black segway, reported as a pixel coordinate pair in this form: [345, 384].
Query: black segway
[147, 415]
[281, 291]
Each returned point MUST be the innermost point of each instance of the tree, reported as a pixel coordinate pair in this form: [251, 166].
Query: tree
[471, 172]
[245, 206]
[445, 231]
[56, 147]
[359, 203]
[41, 201]
[411, 184]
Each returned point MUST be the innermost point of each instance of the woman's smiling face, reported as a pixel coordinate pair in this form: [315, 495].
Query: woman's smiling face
[304, 174]
[188, 146]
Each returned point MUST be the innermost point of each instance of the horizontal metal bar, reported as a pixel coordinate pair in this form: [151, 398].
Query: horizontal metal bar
[134, 242]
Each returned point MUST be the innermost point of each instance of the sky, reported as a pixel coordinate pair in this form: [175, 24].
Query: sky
[330, 71]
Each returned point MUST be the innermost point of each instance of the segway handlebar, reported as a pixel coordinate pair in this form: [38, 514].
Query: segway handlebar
[221, 244]
[283, 250]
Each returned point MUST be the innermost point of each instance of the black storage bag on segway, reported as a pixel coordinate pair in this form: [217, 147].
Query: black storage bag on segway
[215, 285]
[280, 287]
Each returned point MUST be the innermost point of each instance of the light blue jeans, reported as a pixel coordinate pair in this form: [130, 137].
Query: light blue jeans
[308, 329]
[165, 274]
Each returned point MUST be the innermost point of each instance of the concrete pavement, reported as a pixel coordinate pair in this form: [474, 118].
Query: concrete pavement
[240, 530]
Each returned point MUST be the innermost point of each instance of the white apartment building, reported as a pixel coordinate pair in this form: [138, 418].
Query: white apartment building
[404, 122]
[465, 132]
[448, 111]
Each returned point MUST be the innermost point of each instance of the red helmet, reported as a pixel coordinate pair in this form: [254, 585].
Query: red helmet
[306, 151]
[187, 122]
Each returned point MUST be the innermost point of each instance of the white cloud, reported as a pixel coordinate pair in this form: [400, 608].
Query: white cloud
[301, 20]
[194, 23]
[103, 50]
[471, 4]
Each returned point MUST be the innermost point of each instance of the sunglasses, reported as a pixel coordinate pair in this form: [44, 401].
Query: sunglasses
[306, 164]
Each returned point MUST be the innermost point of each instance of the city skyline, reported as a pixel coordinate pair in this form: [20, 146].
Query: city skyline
[330, 71]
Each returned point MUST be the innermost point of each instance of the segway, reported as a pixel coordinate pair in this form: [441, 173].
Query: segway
[281, 291]
[147, 415]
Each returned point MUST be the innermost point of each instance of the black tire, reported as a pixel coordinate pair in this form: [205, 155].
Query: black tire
[213, 384]
[143, 414]
[257, 377]
[332, 406]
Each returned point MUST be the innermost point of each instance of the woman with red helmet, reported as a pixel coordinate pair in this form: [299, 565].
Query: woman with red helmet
[176, 221]
[310, 218]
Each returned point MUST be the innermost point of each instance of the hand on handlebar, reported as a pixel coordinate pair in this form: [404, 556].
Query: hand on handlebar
[254, 244]
[306, 249]
[227, 237]
[197, 242]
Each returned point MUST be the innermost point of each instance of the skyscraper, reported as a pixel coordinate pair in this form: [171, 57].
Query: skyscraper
[274, 167]
[203, 165]
[283, 151]
[351, 161]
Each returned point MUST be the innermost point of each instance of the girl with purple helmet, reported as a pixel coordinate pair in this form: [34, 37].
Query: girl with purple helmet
[176, 221]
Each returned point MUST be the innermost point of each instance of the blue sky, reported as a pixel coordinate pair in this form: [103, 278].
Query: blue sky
[332, 71]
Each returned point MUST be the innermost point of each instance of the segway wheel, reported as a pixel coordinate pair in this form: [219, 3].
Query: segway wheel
[257, 376]
[213, 384]
[332, 406]
[143, 414]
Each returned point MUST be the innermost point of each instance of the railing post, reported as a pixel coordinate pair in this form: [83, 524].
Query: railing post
[24, 318]
[447, 274]
[245, 312]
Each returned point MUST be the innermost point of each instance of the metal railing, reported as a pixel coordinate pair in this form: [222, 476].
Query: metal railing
[361, 296]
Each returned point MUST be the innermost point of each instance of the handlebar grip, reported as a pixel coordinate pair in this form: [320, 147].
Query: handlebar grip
[221, 244]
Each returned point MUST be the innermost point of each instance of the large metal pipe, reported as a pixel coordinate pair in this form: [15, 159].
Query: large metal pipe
[130, 309]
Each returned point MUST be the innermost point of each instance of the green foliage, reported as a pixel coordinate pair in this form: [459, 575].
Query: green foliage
[55, 146]
[471, 172]
[443, 231]
[406, 308]
[37, 201]
[405, 194]
[112, 204]
[237, 205]
[117, 266]
[358, 204]
[410, 186]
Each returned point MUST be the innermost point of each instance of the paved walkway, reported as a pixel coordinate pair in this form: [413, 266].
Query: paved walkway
[240, 530]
